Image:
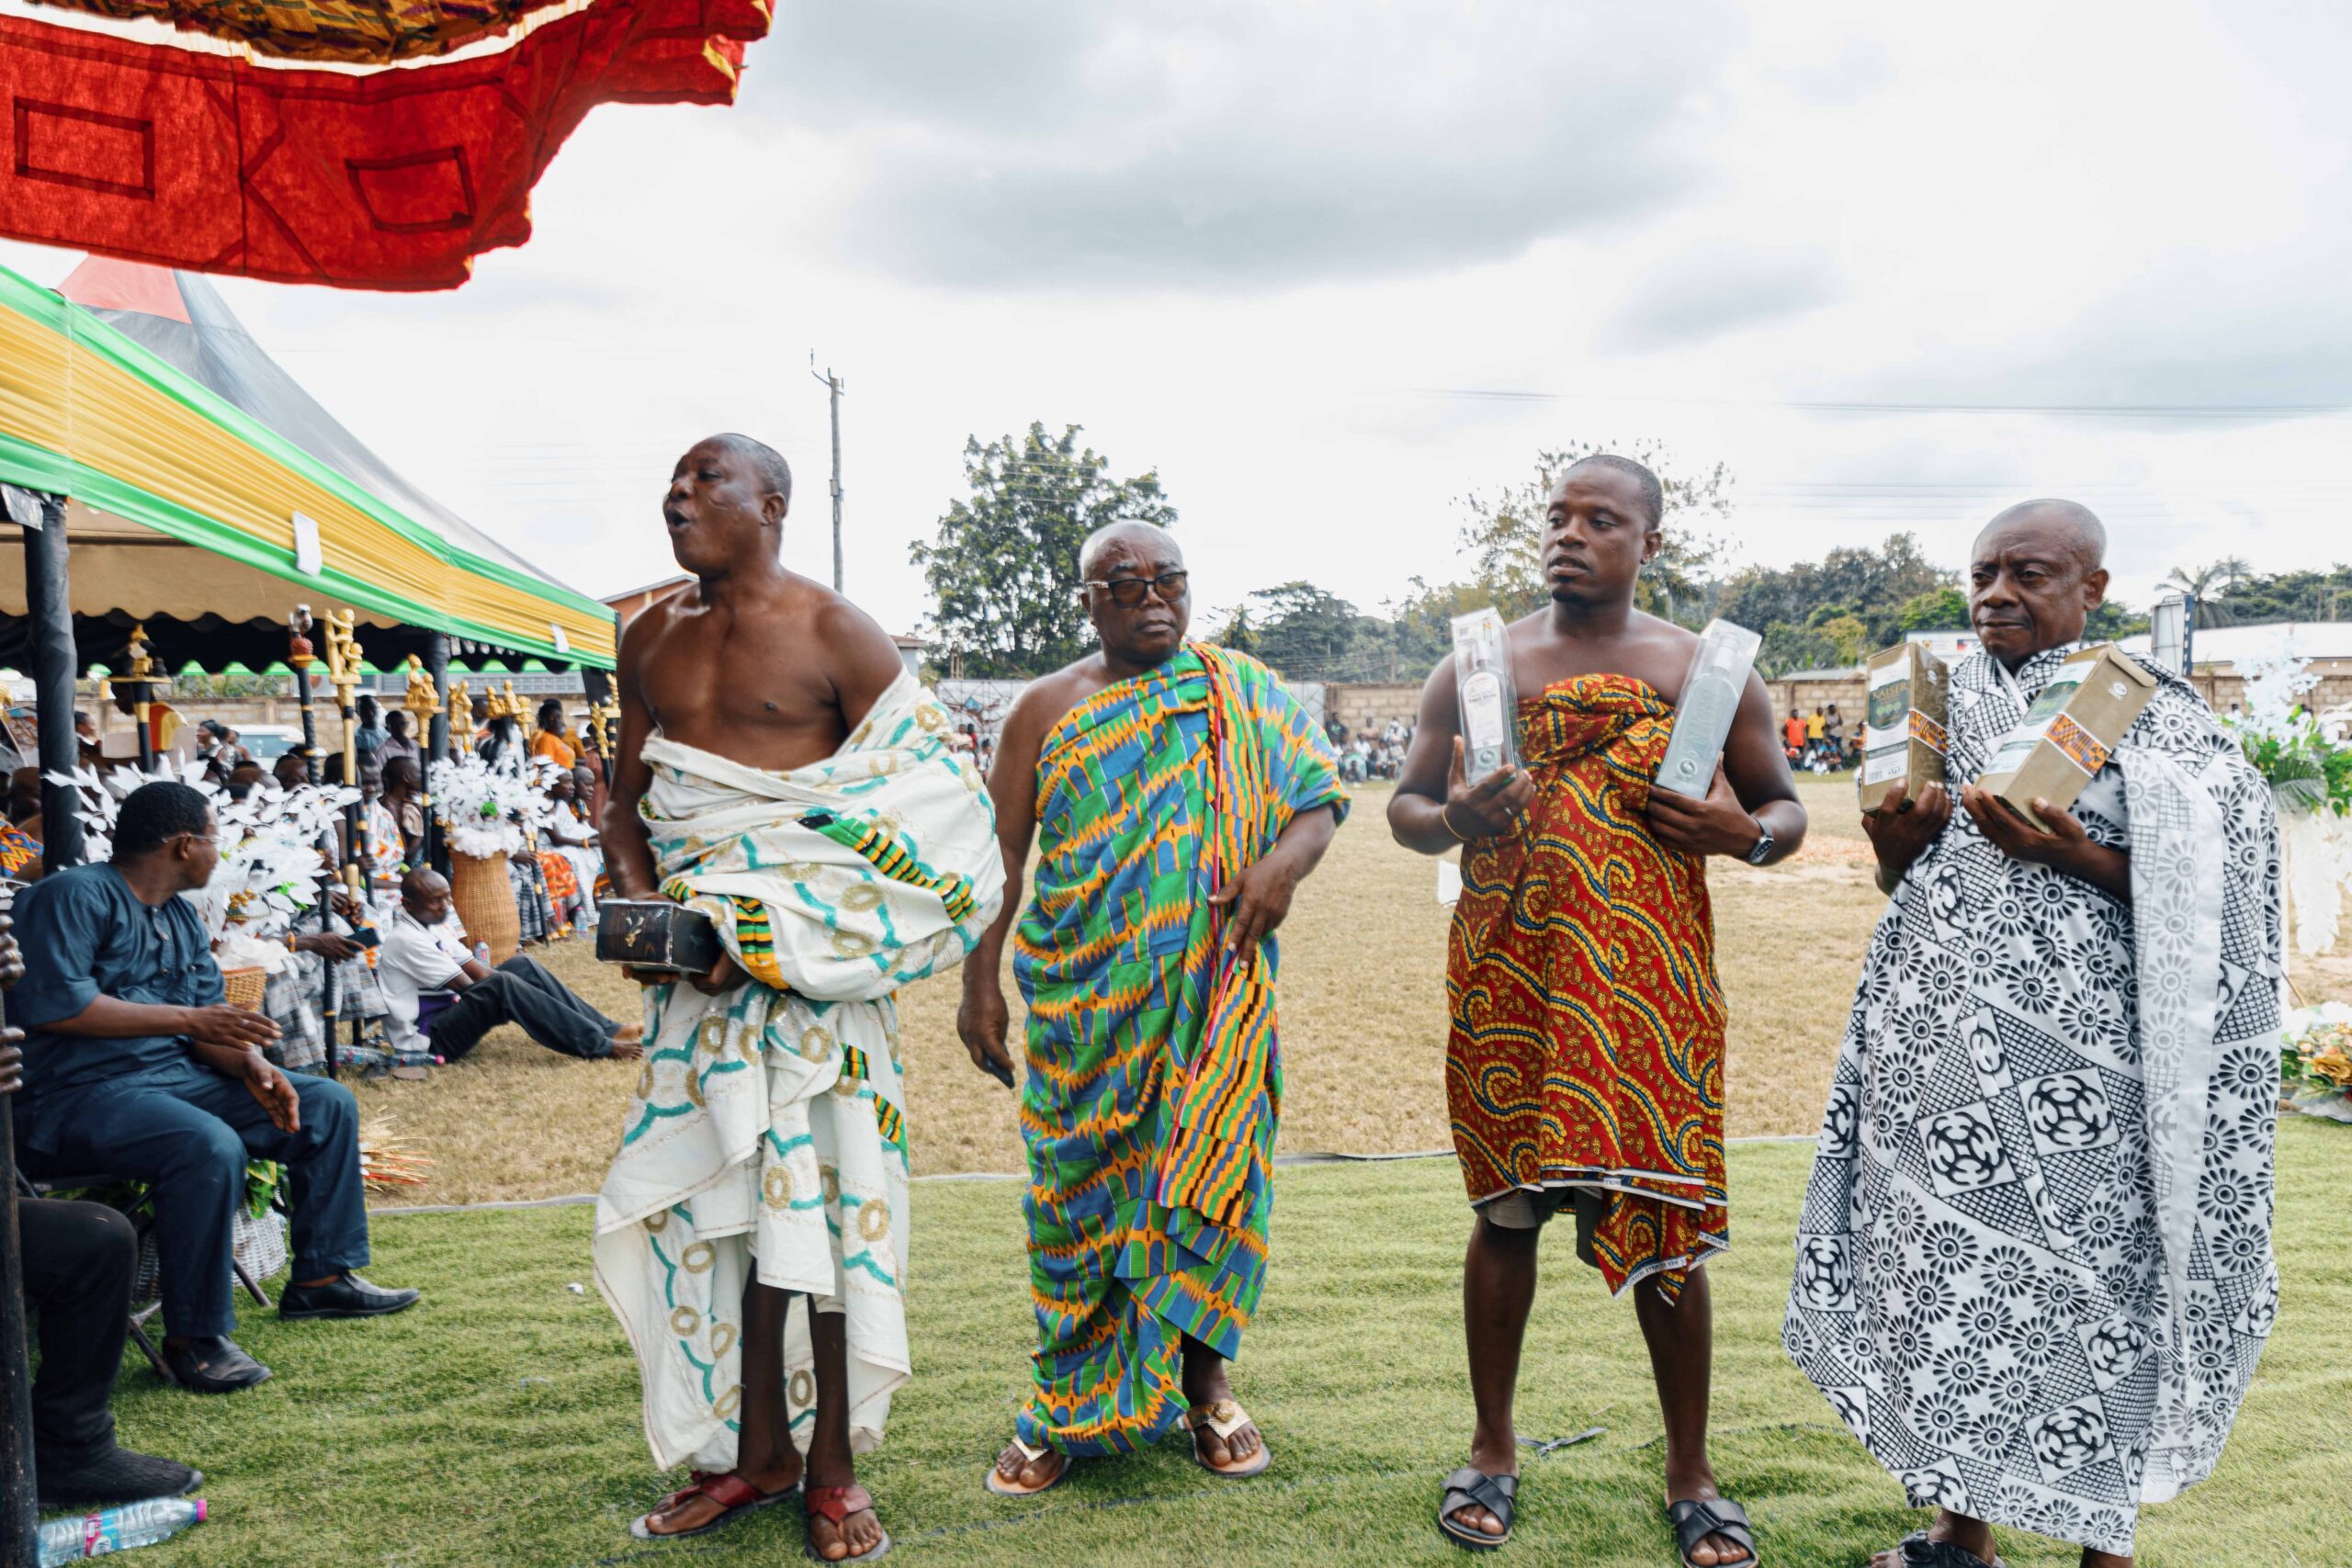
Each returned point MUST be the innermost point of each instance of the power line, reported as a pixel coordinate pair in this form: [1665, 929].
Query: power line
[2094, 411]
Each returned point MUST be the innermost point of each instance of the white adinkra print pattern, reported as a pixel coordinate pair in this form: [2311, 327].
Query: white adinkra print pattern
[2034, 1272]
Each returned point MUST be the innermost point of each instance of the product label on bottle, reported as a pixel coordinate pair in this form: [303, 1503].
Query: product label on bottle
[1891, 763]
[2017, 747]
[1482, 711]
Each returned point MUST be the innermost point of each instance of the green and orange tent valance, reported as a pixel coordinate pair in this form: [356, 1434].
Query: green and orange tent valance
[209, 493]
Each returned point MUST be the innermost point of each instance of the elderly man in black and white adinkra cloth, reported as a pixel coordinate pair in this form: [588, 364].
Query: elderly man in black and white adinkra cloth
[2034, 1269]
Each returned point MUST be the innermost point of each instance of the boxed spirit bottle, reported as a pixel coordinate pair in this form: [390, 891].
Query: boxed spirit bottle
[1489, 702]
[1711, 694]
[1904, 713]
[2069, 732]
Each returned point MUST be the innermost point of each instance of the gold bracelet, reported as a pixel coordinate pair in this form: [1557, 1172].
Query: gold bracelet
[1459, 836]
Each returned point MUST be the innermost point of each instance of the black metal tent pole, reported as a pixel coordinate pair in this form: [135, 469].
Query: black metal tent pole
[436, 742]
[48, 609]
[598, 684]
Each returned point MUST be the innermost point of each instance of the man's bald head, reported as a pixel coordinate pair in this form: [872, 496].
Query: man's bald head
[1156, 544]
[2067, 524]
[424, 894]
[766, 462]
[2036, 574]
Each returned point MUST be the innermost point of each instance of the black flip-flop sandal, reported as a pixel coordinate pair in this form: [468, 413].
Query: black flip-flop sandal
[1919, 1552]
[1696, 1519]
[1471, 1486]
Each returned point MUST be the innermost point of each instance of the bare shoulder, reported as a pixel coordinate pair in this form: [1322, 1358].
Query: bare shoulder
[840, 622]
[1044, 701]
[644, 631]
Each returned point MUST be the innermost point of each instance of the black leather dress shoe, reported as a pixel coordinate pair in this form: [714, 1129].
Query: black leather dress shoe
[117, 1476]
[213, 1365]
[347, 1296]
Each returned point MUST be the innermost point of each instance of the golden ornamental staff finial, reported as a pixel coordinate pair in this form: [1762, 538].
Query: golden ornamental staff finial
[422, 696]
[461, 716]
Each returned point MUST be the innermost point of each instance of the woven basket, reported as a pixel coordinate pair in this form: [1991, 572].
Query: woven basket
[485, 902]
[258, 1244]
[245, 987]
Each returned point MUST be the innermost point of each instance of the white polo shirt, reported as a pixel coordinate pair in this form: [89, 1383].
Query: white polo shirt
[417, 958]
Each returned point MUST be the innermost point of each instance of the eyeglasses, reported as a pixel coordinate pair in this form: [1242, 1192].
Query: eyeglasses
[1127, 592]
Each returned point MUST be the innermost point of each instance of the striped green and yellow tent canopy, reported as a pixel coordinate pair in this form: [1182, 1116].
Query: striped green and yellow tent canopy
[209, 495]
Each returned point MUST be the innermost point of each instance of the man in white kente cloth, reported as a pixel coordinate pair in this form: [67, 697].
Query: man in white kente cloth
[2033, 1269]
[781, 773]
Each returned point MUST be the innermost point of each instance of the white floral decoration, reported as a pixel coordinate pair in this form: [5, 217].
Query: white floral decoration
[488, 811]
[271, 865]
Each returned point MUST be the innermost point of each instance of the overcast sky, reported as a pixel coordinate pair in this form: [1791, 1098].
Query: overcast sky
[1326, 267]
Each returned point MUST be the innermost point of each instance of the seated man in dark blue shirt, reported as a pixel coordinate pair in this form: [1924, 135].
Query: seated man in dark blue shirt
[79, 1260]
[135, 1066]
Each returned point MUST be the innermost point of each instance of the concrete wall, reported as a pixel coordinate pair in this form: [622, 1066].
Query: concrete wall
[1804, 696]
[1371, 707]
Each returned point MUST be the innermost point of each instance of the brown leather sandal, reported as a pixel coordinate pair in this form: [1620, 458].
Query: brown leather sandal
[734, 1495]
[837, 1504]
[997, 1485]
[1226, 1418]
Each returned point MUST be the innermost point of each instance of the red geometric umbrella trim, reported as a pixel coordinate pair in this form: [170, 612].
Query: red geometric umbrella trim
[394, 179]
[375, 32]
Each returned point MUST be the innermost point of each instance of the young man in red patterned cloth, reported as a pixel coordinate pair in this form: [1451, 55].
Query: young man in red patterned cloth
[1584, 1071]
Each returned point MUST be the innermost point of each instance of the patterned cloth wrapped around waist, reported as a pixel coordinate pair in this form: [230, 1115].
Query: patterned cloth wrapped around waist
[843, 880]
[1588, 1024]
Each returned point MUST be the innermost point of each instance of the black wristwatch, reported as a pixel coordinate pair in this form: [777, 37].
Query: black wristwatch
[1763, 849]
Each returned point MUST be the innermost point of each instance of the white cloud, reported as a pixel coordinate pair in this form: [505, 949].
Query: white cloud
[1261, 249]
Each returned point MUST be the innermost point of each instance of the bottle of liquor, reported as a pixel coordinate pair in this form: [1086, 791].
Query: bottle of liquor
[1709, 699]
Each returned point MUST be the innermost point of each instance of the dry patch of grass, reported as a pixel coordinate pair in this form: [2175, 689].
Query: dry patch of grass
[1363, 1024]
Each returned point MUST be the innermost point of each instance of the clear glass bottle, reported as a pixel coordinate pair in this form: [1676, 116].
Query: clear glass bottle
[1488, 698]
[1702, 718]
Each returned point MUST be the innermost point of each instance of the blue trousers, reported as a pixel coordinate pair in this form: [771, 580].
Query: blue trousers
[187, 1131]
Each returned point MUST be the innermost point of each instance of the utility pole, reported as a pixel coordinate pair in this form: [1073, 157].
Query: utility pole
[834, 388]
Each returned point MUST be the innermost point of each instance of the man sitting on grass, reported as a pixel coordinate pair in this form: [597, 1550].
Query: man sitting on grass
[136, 1067]
[426, 950]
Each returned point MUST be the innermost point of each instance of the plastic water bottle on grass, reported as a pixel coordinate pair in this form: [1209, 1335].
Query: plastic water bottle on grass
[118, 1529]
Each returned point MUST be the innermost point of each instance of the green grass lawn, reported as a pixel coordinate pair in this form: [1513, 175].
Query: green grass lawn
[497, 1422]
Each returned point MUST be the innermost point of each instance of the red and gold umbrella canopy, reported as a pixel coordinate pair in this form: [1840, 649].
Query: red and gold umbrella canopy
[360, 143]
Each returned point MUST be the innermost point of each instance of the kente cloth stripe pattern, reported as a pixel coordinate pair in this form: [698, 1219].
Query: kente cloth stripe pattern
[893, 859]
[1588, 1024]
[1154, 1082]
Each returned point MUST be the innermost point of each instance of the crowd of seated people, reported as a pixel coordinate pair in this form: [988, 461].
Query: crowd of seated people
[125, 1062]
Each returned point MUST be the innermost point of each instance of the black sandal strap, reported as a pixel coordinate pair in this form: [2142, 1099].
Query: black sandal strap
[1699, 1518]
[1470, 1487]
[1919, 1552]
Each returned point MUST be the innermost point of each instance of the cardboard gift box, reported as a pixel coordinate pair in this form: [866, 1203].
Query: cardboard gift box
[1904, 715]
[2067, 734]
[654, 933]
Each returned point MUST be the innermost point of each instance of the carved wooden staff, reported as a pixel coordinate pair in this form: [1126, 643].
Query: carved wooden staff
[343, 674]
[142, 695]
[299, 657]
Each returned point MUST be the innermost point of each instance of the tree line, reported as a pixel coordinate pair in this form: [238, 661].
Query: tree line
[1002, 570]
